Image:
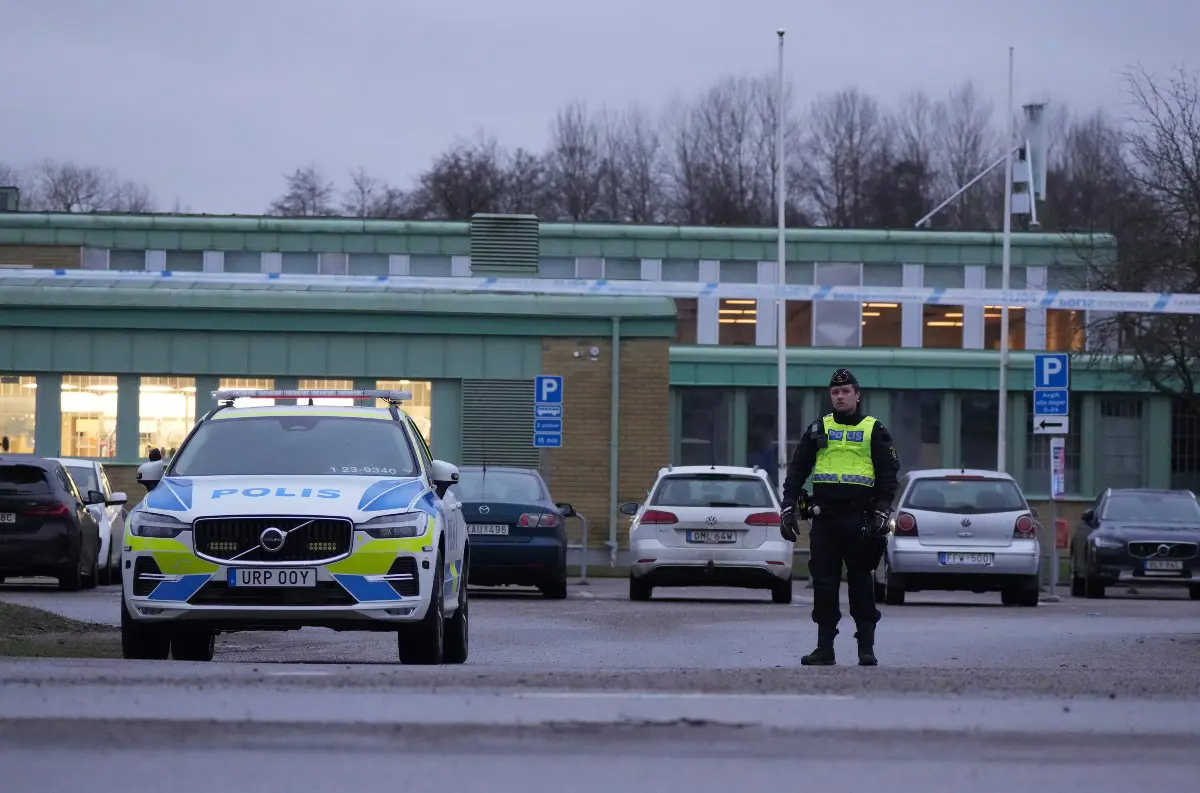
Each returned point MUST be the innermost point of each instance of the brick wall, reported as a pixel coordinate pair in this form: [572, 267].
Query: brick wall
[46, 257]
[579, 472]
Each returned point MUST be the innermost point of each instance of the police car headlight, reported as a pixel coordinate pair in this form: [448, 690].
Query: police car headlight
[390, 527]
[146, 524]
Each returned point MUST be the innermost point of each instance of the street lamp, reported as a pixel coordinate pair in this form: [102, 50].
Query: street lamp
[781, 275]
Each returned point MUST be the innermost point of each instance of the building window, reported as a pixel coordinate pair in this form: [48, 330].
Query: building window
[420, 407]
[1016, 327]
[18, 408]
[127, 260]
[916, 427]
[1185, 446]
[1064, 330]
[836, 323]
[994, 277]
[243, 262]
[309, 384]
[1119, 443]
[685, 320]
[300, 263]
[368, 264]
[704, 425]
[882, 324]
[979, 423]
[1037, 452]
[799, 323]
[166, 412]
[623, 269]
[680, 270]
[762, 430]
[435, 266]
[739, 272]
[89, 416]
[737, 321]
[248, 382]
[943, 327]
[185, 261]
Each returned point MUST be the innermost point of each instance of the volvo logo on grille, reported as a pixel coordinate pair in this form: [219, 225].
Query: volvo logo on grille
[1164, 550]
[272, 539]
[485, 509]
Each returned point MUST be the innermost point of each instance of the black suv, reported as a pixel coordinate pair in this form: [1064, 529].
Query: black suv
[45, 527]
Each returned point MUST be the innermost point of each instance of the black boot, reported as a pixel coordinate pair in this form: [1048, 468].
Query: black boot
[823, 655]
[866, 648]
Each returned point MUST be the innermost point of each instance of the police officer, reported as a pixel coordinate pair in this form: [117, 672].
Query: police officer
[853, 464]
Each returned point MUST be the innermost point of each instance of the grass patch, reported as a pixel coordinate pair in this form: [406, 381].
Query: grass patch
[36, 633]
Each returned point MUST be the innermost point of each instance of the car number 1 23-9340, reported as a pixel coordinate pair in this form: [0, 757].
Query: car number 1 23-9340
[272, 577]
[362, 469]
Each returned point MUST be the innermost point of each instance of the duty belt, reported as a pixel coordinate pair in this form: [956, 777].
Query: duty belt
[845, 479]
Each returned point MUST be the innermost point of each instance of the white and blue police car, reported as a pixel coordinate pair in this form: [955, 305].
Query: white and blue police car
[282, 516]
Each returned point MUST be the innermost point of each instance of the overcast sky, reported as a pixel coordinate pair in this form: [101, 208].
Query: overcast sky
[212, 101]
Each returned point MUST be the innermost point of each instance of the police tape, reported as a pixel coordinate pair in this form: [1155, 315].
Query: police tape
[1134, 302]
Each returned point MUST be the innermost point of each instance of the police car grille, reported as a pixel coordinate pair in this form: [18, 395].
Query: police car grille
[1175, 550]
[325, 593]
[308, 539]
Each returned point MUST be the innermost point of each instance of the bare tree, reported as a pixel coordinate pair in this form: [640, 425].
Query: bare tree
[576, 162]
[527, 185]
[967, 143]
[308, 194]
[54, 186]
[469, 178]
[846, 152]
[371, 197]
[1158, 235]
[643, 167]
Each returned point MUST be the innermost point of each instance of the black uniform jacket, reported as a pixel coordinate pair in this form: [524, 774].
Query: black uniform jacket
[836, 494]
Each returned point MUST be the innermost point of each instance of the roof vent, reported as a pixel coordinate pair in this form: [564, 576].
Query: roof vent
[505, 245]
[10, 199]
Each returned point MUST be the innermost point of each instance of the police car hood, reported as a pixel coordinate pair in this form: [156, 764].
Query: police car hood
[354, 497]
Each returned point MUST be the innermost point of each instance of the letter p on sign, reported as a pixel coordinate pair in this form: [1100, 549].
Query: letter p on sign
[548, 388]
[1050, 371]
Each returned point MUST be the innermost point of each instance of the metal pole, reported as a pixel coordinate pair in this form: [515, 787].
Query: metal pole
[583, 562]
[614, 441]
[1006, 261]
[780, 303]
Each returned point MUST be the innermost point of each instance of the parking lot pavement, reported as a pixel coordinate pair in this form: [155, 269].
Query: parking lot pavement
[729, 640]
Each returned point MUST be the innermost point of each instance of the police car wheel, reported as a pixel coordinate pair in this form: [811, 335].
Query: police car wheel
[194, 645]
[424, 642]
[142, 642]
[781, 591]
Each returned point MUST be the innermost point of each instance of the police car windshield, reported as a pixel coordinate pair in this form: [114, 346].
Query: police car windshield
[296, 445]
[965, 495]
[712, 490]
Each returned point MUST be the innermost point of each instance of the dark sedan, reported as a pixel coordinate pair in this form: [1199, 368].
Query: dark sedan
[518, 534]
[1139, 537]
[45, 526]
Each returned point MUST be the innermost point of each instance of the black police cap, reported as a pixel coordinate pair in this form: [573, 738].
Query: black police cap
[843, 377]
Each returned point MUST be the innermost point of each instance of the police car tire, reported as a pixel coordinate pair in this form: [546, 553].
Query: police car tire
[194, 645]
[142, 642]
[424, 642]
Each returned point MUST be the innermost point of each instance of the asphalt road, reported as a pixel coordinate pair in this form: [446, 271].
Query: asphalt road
[696, 692]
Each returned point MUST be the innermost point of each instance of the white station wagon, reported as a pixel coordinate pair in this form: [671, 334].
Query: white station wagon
[961, 530]
[709, 525]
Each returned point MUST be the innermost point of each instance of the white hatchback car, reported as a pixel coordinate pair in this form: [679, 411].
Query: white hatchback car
[709, 525]
[961, 530]
[90, 475]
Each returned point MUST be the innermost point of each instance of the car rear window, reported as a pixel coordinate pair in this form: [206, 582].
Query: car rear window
[965, 496]
[24, 480]
[509, 486]
[1156, 507]
[712, 490]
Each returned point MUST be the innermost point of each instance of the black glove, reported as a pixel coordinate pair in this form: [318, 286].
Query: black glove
[876, 523]
[787, 523]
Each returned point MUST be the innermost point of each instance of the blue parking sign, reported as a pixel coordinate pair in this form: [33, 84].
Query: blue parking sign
[548, 389]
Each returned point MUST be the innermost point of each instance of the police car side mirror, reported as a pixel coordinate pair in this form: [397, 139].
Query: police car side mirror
[150, 474]
[443, 475]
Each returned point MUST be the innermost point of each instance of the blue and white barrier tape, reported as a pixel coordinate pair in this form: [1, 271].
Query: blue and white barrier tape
[1136, 302]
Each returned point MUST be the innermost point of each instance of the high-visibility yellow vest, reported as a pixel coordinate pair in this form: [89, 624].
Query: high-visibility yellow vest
[846, 459]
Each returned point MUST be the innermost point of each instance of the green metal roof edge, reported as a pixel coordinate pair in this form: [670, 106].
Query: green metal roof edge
[883, 356]
[613, 231]
[329, 300]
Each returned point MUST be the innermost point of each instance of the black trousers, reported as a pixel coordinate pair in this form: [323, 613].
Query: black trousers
[837, 537]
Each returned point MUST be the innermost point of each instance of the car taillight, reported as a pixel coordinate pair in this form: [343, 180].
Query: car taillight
[538, 520]
[906, 525]
[763, 519]
[658, 517]
[51, 511]
[1025, 527]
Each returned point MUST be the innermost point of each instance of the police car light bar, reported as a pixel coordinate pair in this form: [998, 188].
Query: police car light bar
[309, 393]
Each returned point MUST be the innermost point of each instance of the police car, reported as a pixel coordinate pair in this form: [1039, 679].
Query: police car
[286, 516]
